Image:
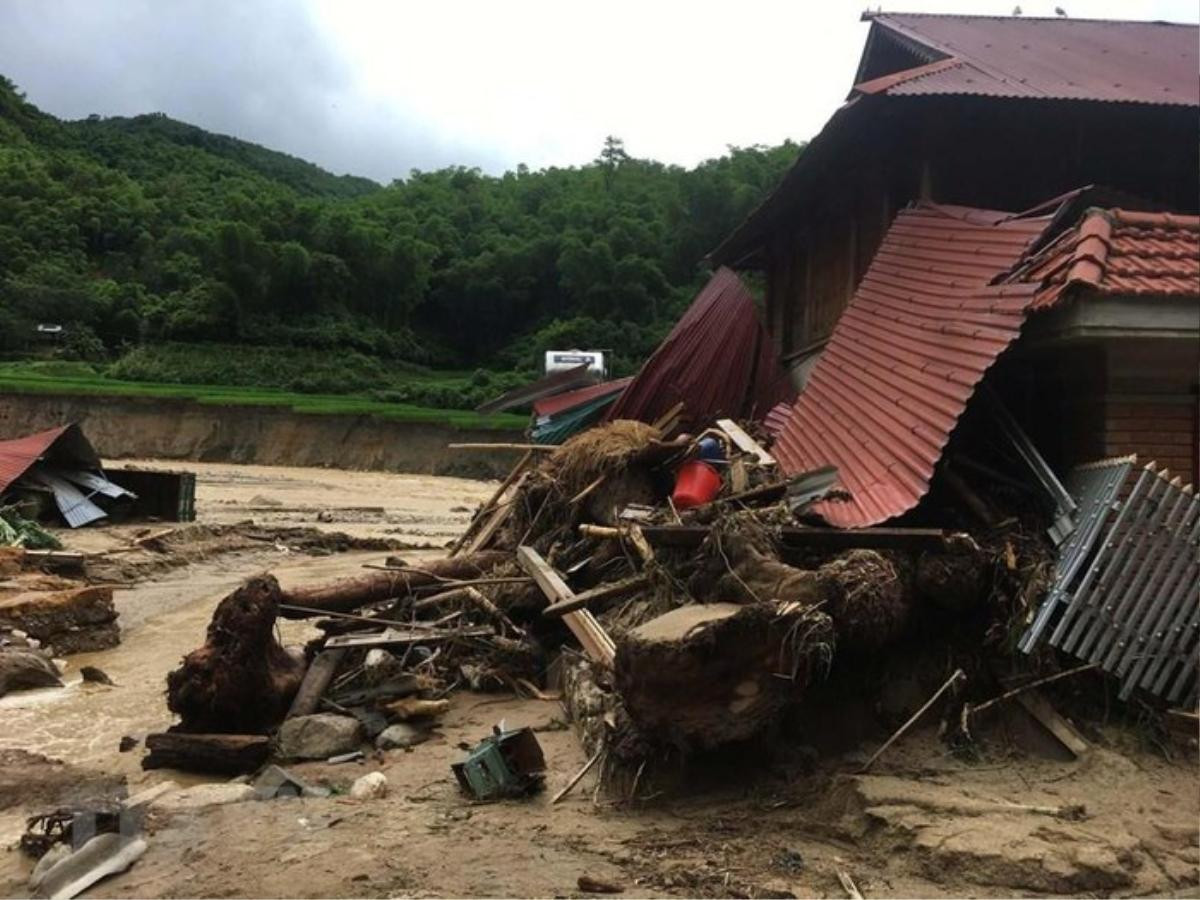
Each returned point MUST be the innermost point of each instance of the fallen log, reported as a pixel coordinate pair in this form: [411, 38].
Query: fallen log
[831, 539]
[348, 594]
[242, 680]
[221, 754]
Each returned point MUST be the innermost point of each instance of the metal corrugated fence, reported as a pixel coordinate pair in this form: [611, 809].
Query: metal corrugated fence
[1127, 584]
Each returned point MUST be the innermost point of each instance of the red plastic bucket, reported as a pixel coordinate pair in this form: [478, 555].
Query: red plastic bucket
[696, 483]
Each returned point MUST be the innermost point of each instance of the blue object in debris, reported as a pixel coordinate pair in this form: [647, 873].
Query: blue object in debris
[711, 449]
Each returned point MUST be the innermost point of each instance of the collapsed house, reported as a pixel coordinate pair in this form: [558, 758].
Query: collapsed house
[59, 469]
[932, 436]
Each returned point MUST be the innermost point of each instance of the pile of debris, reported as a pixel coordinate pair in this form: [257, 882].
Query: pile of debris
[676, 592]
[58, 474]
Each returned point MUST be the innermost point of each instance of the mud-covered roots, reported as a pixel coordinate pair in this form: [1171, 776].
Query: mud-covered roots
[241, 681]
[867, 599]
[703, 675]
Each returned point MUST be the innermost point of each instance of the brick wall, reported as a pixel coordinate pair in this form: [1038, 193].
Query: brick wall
[1160, 429]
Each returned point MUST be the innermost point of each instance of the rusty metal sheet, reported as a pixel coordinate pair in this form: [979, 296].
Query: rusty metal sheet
[67, 441]
[1063, 58]
[718, 360]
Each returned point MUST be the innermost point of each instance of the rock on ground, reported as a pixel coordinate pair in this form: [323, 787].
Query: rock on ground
[399, 736]
[319, 736]
[370, 787]
[201, 795]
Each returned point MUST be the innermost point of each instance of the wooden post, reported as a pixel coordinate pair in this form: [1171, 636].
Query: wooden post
[591, 636]
[316, 680]
[517, 471]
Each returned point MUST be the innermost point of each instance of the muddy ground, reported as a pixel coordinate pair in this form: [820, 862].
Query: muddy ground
[767, 819]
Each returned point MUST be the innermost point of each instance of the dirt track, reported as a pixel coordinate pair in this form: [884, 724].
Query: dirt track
[761, 820]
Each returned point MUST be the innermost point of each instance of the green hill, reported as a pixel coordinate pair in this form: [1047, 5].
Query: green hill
[138, 232]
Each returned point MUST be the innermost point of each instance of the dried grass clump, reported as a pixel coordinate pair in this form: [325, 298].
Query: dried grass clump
[867, 599]
[598, 451]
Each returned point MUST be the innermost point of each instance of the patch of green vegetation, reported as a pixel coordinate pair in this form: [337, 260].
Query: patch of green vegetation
[33, 378]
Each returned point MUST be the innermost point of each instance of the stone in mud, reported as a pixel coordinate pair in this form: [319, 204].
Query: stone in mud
[400, 736]
[319, 736]
[372, 786]
[24, 669]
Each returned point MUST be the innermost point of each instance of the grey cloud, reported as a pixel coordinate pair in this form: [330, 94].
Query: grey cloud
[258, 70]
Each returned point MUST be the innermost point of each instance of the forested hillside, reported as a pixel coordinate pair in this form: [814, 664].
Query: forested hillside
[150, 233]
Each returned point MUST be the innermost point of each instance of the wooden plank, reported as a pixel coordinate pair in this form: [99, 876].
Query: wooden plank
[591, 636]
[533, 448]
[1039, 707]
[821, 538]
[316, 680]
[395, 637]
[668, 420]
[595, 595]
[739, 478]
[744, 442]
[517, 471]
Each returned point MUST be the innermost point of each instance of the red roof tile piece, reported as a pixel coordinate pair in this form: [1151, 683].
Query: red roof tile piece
[922, 329]
[1066, 59]
[718, 359]
[1116, 251]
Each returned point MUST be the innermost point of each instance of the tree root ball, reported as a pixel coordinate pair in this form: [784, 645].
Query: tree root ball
[866, 598]
[704, 675]
[241, 681]
[954, 581]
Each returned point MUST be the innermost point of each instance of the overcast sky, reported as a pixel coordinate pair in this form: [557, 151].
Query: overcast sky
[378, 88]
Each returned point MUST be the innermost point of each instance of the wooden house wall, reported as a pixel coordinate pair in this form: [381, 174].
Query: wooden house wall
[1008, 155]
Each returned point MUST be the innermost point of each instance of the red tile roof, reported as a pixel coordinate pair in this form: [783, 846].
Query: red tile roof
[19, 454]
[552, 406]
[1066, 59]
[1116, 251]
[718, 359]
[922, 329]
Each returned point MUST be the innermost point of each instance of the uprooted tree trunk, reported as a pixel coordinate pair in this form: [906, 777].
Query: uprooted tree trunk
[707, 674]
[863, 592]
[241, 681]
[347, 594]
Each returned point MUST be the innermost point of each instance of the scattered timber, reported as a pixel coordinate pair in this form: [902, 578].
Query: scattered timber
[220, 754]
[831, 539]
[592, 637]
[531, 448]
[597, 594]
[959, 675]
[744, 442]
[316, 680]
[347, 594]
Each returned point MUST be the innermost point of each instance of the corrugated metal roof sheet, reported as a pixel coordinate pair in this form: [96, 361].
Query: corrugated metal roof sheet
[17, 455]
[1116, 251]
[552, 406]
[1065, 59]
[718, 360]
[922, 329]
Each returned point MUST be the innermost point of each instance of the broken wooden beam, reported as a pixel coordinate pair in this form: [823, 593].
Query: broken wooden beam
[490, 514]
[596, 595]
[793, 536]
[393, 637]
[532, 448]
[220, 754]
[316, 680]
[591, 636]
[347, 594]
[744, 442]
